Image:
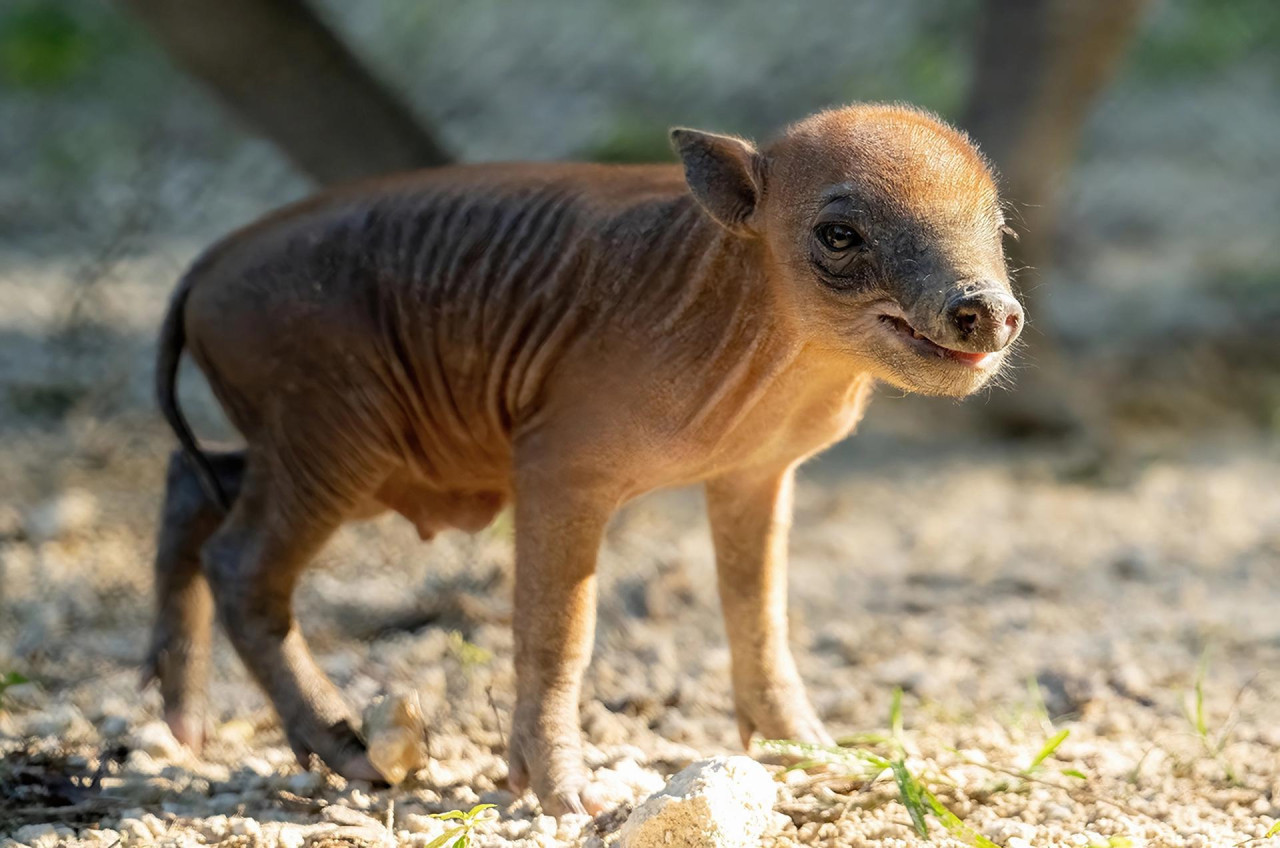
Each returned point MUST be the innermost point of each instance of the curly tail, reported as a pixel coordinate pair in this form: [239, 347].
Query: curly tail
[173, 338]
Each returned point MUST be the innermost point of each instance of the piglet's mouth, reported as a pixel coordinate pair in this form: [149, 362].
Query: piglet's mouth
[925, 346]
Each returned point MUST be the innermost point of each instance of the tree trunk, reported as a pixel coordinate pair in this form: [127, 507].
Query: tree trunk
[279, 69]
[1040, 64]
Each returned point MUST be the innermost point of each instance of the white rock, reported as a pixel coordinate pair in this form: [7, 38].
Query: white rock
[623, 785]
[104, 837]
[304, 783]
[544, 826]
[1006, 830]
[359, 800]
[291, 836]
[66, 514]
[153, 823]
[257, 766]
[644, 781]
[570, 827]
[156, 740]
[215, 828]
[396, 734]
[140, 763]
[1058, 812]
[134, 832]
[724, 802]
[243, 826]
[36, 834]
[339, 814]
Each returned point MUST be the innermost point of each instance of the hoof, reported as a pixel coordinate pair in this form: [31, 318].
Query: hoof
[359, 767]
[186, 728]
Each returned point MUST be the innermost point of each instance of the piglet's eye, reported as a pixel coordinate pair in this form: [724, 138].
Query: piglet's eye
[840, 237]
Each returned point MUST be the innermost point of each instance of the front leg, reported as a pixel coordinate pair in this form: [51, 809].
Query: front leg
[559, 526]
[750, 516]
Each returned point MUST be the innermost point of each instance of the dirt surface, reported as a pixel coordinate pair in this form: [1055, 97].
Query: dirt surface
[1011, 591]
[1011, 594]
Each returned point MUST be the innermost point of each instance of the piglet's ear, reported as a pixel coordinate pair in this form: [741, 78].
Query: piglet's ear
[726, 175]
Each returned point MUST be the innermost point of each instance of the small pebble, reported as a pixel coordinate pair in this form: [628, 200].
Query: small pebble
[291, 836]
[156, 740]
[544, 826]
[244, 826]
[133, 831]
[347, 816]
[36, 834]
[305, 783]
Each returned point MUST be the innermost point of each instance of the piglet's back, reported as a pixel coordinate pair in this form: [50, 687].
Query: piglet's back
[435, 302]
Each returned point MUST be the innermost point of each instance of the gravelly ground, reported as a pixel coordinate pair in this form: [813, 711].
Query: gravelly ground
[959, 577]
[958, 570]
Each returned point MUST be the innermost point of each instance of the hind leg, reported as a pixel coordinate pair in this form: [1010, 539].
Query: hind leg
[179, 655]
[253, 563]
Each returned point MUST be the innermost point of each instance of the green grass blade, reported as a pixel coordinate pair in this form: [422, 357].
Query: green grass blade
[1201, 723]
[478, 809]
[804, 765]
[1038, 705]
[863, 739]
[853, 757]
[953, 824]
[1076, 773]
[452, 814]
[1048, 749]
[895, 716]
[1272, 831]
[442, 839]
[12, 678]
[910, 792]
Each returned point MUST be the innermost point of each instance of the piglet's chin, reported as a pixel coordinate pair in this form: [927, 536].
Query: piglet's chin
[946, 378]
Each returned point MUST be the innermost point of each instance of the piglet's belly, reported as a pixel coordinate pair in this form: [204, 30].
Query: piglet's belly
[432, 509]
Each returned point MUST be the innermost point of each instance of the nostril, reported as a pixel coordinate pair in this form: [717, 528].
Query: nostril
[966, 320]
[1013, 321]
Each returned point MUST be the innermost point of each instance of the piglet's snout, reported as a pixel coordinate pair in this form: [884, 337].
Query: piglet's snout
[986, 320]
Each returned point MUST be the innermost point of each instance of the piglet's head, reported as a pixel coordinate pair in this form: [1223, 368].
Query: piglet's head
[882, 235]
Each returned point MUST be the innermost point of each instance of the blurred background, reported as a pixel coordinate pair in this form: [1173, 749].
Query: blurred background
[1135, 139]
[1127, 483]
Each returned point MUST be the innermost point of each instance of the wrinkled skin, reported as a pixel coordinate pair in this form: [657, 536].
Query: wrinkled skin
[563, 337]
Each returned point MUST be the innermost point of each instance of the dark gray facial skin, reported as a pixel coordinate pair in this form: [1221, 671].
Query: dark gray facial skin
[967, 310]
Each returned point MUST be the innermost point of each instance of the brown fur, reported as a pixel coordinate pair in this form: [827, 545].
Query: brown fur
[566, 337]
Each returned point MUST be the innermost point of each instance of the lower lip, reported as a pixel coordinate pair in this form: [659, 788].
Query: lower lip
[974, 359]
[929, 348]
